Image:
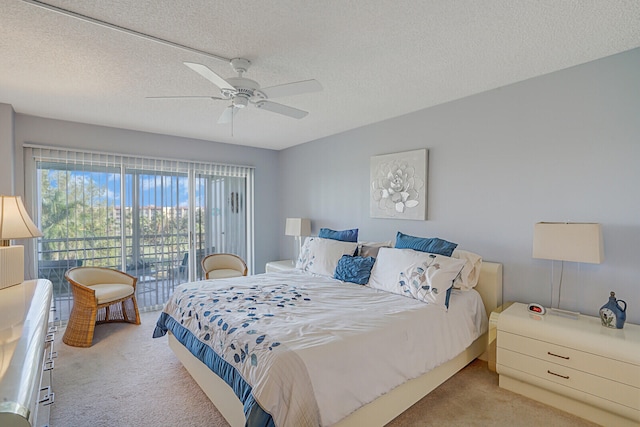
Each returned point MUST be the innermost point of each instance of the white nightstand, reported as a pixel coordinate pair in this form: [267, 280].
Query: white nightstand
[283, 265]
[578, 366]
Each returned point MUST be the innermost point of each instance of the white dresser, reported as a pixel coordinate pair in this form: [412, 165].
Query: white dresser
[577, 366]
[26, 354]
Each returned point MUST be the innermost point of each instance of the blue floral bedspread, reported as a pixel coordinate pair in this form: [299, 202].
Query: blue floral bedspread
[231, 328]
[305, 350]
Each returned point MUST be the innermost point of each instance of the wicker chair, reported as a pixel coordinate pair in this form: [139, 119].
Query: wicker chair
[221, 266]
[100, 295]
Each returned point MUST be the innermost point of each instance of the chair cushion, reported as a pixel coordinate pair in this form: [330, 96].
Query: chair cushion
[223, 273]
[107, 292]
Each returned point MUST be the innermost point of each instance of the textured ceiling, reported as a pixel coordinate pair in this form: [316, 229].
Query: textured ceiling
[375, 59]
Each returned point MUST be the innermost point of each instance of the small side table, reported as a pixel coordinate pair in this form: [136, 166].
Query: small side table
[275, 266]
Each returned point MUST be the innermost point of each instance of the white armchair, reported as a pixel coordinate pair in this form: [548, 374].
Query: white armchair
[220, 266]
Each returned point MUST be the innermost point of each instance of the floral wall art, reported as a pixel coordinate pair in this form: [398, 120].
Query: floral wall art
[399, 185]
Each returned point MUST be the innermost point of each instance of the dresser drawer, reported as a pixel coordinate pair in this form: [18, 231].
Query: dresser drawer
[604, 388]
[615, 370]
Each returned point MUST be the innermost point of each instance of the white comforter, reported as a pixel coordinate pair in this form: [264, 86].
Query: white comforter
[316, 349]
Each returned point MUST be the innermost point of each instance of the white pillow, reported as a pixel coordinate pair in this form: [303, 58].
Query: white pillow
[321, 256]
[366, 249]
[420, 275]
[470, 273]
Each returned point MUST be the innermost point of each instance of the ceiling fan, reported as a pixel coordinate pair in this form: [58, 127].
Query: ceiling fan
[242, 91]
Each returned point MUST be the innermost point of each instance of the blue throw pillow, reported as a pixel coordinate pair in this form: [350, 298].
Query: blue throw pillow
[344, 235]
[355, 269]
[433, 245]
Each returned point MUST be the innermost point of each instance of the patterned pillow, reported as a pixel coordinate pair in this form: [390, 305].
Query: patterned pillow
[420, 275]
[342, 235]
[355, 269]
[433, 245]
[321, 256]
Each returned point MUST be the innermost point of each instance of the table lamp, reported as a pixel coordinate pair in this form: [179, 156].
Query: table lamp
[567, 241]
[15, 223]
[297, 227]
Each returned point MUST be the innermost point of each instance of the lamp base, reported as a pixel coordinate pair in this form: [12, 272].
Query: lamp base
[11, 265]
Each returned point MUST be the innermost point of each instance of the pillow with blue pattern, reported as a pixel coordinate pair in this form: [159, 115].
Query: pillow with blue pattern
[321, 256]
[354, 269]
[342, 235]
[433, 245]
[420, 275]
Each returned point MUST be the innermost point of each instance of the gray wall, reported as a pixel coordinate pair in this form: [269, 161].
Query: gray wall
[29, 129]
[561, 147]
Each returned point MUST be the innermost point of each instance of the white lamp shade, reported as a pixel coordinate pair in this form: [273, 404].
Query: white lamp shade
[573, 241]
[15, 222]
[297, 227]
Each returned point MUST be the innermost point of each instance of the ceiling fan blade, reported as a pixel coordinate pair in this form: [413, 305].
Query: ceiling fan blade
[227, 115]
[281, 109]
[210, 75]
[186, 97]
[289, 89]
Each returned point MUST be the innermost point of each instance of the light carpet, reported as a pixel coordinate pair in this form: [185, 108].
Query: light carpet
[128, 379]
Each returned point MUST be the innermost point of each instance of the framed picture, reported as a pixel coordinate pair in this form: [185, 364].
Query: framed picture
[399, 185]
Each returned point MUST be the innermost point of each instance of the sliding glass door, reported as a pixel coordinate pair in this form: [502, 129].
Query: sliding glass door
[220, 215]
[79, 214]
[154, 219]
[156, 230]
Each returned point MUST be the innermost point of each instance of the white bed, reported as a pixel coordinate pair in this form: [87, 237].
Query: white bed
[384, 408]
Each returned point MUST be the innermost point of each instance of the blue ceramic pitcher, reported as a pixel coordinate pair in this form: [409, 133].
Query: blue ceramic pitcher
[611, 314]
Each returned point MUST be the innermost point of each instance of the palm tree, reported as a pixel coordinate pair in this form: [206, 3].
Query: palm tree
[74, 218]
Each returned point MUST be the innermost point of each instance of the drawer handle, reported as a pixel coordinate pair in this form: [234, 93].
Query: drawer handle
[48, 398]
[557, 355]
[566, 377]
[52, 353]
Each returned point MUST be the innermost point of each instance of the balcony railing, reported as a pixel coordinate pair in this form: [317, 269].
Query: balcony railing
[159, 267]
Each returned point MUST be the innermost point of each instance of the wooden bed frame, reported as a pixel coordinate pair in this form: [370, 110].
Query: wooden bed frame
[386, 407]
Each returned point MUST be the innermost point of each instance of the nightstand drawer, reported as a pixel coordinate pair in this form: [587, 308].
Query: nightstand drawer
[580, 381]
[615, 370]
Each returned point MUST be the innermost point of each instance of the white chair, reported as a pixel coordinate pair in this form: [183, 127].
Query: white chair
[221, 266]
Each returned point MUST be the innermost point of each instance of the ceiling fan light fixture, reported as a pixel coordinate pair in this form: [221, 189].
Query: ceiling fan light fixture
[240, 101]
